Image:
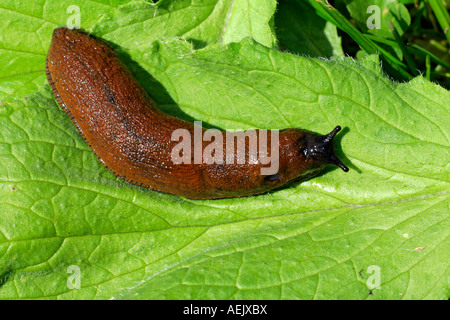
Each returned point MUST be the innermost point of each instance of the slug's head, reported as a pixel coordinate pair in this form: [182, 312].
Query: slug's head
[320, 149]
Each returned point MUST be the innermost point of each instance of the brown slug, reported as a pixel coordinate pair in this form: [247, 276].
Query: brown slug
[135, 140]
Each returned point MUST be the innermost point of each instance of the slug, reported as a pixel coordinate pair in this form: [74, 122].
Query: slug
[134, 139]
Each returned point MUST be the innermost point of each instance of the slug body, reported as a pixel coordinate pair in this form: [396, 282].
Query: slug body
[133, 138]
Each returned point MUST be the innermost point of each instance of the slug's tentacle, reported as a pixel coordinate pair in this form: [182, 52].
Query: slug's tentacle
[331, 135]
[333, 158]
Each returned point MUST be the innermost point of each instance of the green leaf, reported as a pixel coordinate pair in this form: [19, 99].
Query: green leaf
[23, 48]
[318, 239]
[206, 21]
[300, 30]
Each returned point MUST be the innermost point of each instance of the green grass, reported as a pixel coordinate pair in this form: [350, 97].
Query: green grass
[414, 36]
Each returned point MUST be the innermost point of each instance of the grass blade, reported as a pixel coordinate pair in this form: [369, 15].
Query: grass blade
[442, 16]
[409, 60]
[328, 12]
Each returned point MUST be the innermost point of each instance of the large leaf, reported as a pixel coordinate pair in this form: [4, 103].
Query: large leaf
[27, 28]
[318, 239]
[200, 21]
